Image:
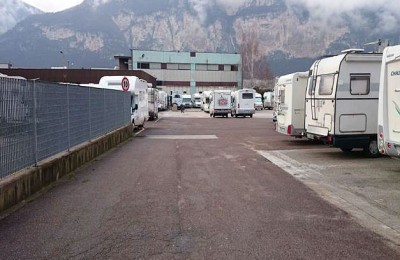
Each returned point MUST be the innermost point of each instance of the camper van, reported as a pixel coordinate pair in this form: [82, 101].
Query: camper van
[196, 99]
[268, 100]
[153, 103]
[187, 101]
[342, 100]
[176, 98]
[258, 103]
[290, 112]
[220, 103]
[162, 100]
[138, 89]
[205, 101]
[389, 103]
[243, 103]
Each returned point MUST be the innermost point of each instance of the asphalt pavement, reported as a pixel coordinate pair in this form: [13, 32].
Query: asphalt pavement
[193, 187]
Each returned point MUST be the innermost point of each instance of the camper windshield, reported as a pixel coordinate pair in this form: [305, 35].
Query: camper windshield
[247, 95]
[325, 83]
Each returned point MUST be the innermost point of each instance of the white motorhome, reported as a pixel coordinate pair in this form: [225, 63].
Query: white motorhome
[342, 100]
[196, 98]
[243, 103]
[176, 98]
[153, 103]
[389, 103]
[291, 90]
[220, 103]
[258, 103]
[268, 100]
[187, 100]
[162, 100]
[138, 89]
[205, 101]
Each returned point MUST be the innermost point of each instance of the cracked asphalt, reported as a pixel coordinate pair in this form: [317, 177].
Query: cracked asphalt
[177, 198]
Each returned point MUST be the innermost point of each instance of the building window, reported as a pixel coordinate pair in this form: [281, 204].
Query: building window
[221, 67]
[192, 54]
[359, 84]
[143, 65]
[234, 67]
[163, 66]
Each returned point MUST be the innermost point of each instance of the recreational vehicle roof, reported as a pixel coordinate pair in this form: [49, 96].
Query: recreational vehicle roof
[115, 82]
[332, 64]
[289, 77]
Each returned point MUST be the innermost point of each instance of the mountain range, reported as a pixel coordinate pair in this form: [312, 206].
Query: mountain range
[14, 11]
[290, 34]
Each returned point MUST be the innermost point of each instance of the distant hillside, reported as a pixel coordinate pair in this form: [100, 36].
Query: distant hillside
[290, 33]
[14, 11]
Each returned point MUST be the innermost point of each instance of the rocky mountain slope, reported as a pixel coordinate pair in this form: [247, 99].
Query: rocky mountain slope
[13, 11]
[91, 34]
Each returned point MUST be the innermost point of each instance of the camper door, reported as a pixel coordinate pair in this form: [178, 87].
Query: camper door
[393, 100]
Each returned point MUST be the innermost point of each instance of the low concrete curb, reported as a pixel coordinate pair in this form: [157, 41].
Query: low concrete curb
[26, 183]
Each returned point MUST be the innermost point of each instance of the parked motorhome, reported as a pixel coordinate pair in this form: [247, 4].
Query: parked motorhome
[196, 99]
[162, 100]
[138, 89]
[389, 103]
[187, 100]
[205, 101]
[342, 100]
[243, 103]
[268, 100]
[220, 103]
[176, 98]
[291, 90]
[153, 103]
[258, 103]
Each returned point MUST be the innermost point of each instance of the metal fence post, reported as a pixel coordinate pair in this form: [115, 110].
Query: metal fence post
[90, 116]
[35, 123]
[68, 126]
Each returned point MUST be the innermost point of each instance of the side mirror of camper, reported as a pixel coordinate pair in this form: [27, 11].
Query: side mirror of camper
[136, 107]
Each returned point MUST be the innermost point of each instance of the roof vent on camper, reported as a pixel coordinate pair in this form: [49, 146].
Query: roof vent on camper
[353, 51]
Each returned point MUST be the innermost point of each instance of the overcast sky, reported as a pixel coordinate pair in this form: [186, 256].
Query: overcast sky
[53, 5]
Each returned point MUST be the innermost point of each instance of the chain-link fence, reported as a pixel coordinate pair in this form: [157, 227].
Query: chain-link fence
[40, 119]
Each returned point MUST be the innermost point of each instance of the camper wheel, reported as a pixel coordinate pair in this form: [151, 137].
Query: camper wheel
[251, 116]
[372, 150]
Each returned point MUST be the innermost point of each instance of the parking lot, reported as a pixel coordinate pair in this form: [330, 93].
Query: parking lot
[366, 188]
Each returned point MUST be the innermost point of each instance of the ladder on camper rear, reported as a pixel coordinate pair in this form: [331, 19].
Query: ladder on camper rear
[312, 94]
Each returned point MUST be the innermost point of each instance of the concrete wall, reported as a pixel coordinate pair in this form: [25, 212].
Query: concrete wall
[25, 183]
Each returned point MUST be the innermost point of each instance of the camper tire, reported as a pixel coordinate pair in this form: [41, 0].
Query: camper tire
[372, 150]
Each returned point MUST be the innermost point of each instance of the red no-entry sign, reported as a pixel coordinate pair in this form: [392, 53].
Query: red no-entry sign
[125, 84]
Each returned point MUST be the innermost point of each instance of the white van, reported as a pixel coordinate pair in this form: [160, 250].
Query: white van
[162, 100]
[187, 100]
[153, 103]
[258, 103]
[196, 99]
[290, 112]
[389, 103]
[220, 103]
[138, 89]
[268, 100]
[243, 103]
[342, 101]
[205, 101]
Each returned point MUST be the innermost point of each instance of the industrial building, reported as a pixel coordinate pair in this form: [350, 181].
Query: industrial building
[189, 72]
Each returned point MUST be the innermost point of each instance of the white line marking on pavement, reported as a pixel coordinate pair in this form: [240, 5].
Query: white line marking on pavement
[182, 137]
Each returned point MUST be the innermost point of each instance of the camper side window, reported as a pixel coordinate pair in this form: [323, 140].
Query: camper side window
[325, 83]
[359, 84]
